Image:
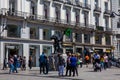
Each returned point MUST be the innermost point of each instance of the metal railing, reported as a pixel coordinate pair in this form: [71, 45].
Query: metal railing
[10, 12]
[49, 19]
[86, 6]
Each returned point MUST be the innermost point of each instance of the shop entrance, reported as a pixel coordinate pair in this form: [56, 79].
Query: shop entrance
[13, 49]
[34, 53]
[12, 52]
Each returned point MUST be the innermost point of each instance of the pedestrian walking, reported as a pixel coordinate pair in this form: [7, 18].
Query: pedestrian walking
[61, 63]
[30, 62]
[15, 63]
[68, 67]
[24, 63]
[73, 63]
[11, 66]
[42, 62]
[87, 60]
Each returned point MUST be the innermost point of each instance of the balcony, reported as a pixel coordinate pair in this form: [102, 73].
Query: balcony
[14, 35]
[79, 4]
[69, 2]
[100, 28]
[108, 29]
[97, 9]
[107, 12]
[61, 1]
[86, 6]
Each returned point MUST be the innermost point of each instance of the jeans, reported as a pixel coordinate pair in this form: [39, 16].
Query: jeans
[11, 68]
[61, 70]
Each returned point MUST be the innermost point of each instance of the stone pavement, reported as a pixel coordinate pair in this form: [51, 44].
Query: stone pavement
[84, 74]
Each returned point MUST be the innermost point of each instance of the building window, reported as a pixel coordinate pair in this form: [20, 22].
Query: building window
[12, 7]
[86, 18]
[97, 20]
[107, 39]
[68, 15]
[106, 6]
[87, 38]
[86, 2]
[32, 8]
[118, 24]
[46, 11]
[98, 39]
[13, 31]
[34, 33]
[119, 3]
[78, 37]
[77, 15]
[47, 50]
[107, 22]
[57, 11]
[46, 34]
[96, 3]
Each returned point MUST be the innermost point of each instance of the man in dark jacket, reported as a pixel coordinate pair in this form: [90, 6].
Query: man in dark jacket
[15, 63]
[42, 62]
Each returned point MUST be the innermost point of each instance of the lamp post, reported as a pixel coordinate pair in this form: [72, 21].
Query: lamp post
[112, 15]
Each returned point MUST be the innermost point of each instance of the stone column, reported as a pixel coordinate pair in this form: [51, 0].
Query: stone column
[26, 52]
[103, 40]
[82, 38]
[92, 38]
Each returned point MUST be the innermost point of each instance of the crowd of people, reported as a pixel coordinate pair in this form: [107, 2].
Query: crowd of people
[58, 62]
[15, 62]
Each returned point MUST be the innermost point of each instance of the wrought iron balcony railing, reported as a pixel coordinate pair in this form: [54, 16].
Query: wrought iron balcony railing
[56, 21]
[86, 6]
[9, 12]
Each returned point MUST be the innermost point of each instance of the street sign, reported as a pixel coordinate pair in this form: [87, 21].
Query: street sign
[68, 32]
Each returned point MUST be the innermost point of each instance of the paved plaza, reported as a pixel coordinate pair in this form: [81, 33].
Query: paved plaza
[84, 74]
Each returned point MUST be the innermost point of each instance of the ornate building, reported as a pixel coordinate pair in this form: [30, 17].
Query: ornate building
[27, 25]
[116, 27]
